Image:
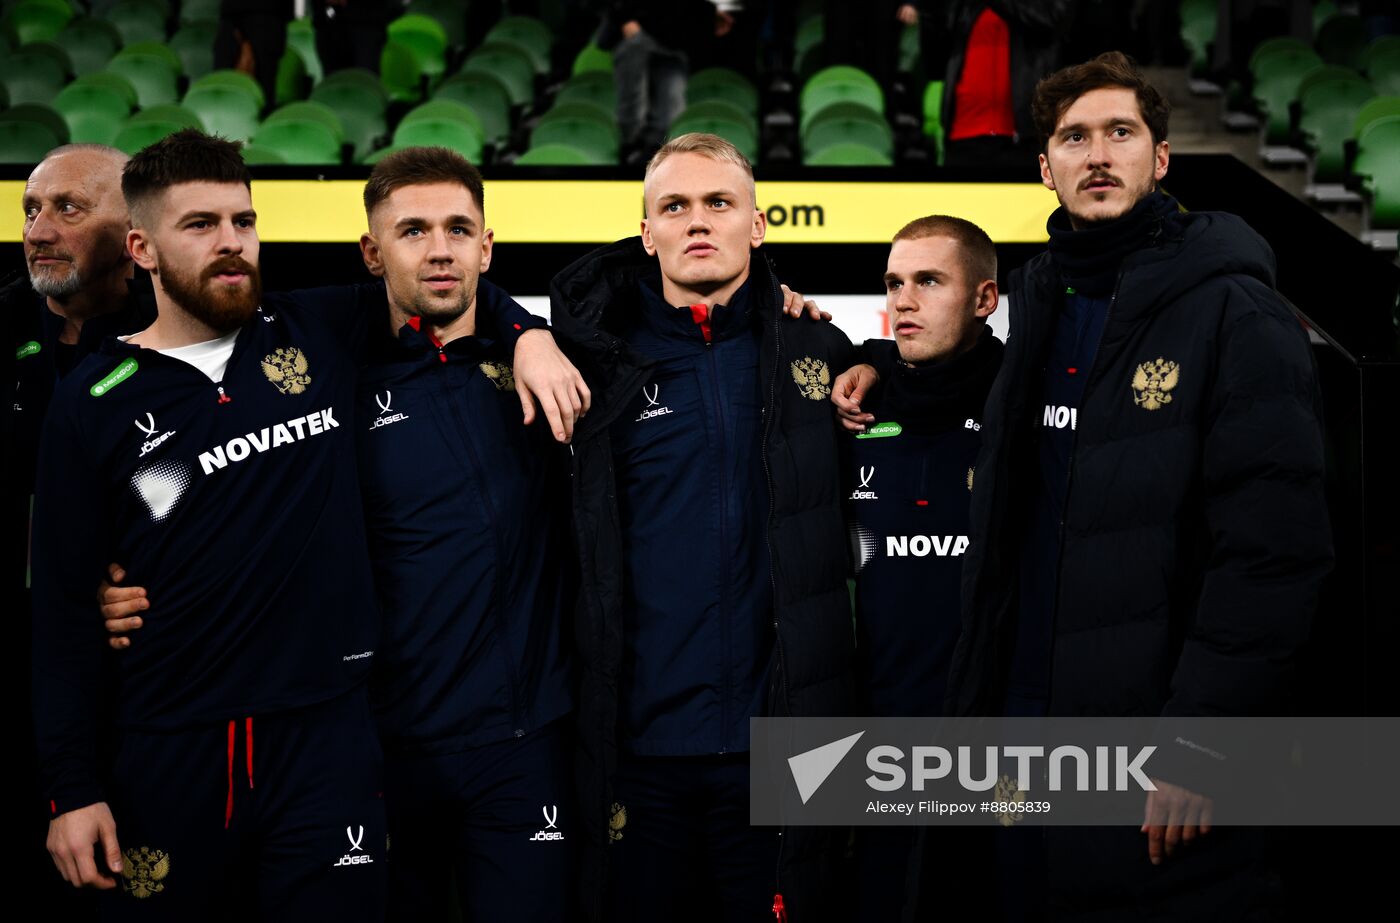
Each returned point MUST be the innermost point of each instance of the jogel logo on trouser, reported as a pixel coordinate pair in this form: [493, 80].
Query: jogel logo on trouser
[356, 855]
[551, 829]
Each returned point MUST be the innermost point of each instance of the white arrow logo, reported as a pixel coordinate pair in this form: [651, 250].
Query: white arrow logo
[811, 769]
[551, 814]
[150, 428]
[384, 404]
[653, 396]
[865, 475]
[355, 840]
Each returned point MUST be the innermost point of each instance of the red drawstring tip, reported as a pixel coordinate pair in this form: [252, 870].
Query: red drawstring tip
[921, 503]
[53, 806]
[1072, 370]
[779, 911]
[516, 326]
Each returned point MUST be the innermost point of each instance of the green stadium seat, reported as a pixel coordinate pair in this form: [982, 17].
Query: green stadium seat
[108, 81]
[138, 21]
[723, 84]
[449, 14]
[586, 134]
[235, 79]
[595, 87]
[194, 43]
[461, 137]
[365, 81]
[94, 113]
[528, 33]
[151, 75]
[508, 63]
[28, 21]
[311, 143]
[1276, 81]
[38, 114]
[719, 109]
[192, 11]
[1271, 45]
[53, 51]
[739, 133]
[25, 142]
[1328, 99]
[156, 49]
[1198, 24]
[137, 135]
[850, 122]
[560, 155]
[1342, 40]
[400, 73]
[225, 111]
[839, 84]
[847, 154]
[1382, 64]
[1377, 108]
[426, 38]
[175, 113]
[592, 59]
[90, 44]
[910, 58]
[809, 38]
[309, 112]
[301, 38]
[30, 77]
[582, 110]
[361, 113]
[1323, 11]
[254, 155]
[1378, 163]
[445, 110]
[293, 82]
[933, 115]
[485, 95]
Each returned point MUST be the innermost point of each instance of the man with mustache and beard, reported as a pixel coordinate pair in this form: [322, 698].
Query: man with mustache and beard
[207, 453]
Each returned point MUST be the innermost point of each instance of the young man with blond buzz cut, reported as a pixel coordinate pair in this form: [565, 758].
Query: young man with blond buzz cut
[713, 585]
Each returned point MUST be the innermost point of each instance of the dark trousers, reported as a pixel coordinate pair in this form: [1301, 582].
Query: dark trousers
[273, 817]
[497, 821]
[266, 33]
[686, 850]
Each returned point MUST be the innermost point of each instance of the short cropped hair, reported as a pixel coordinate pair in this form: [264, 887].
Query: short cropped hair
[1057, 92]
[706, 145]
[975, 248]
[188, 156]
[421, 166]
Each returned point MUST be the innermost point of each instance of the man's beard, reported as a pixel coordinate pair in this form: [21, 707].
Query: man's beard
[222, 307]
[46, 282]
[440, 313]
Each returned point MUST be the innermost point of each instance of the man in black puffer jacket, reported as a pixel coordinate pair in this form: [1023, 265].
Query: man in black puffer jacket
[711, 548]
[1149, 527]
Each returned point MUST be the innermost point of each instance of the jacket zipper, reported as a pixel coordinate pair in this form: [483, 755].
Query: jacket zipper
[769, 413]
[724, 608]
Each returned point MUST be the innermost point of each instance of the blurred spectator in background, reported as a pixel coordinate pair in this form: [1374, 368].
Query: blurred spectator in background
[994, 53]
[653, 45]
[252, 36]
[1243, 24]
[866, 35]
[350, 33]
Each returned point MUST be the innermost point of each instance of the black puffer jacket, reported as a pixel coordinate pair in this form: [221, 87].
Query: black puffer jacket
[1195, 535]
[812, 674]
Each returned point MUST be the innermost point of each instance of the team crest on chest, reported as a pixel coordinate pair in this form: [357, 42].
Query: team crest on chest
[813, 378]
[287, 369]
[144, 871]
[1153, 383]
[501, 375]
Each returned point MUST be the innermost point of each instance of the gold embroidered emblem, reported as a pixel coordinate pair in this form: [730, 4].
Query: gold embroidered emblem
[501, 375]
[1153, 383]
[813, 378]
[1009, 792]
[144, 871]
[287, 369]
[970, 473]
[616, 822]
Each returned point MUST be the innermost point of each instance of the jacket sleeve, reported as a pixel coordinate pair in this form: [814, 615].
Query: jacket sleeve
[1270, 541]
[501, 316]
[69, 550]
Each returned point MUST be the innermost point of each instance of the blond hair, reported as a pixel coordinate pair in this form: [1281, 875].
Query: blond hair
[978, 253]
[712, 146]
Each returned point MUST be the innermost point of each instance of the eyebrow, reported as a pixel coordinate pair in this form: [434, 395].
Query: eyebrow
[1109, 122]
[935, 274]
[412, 221]
[214, 216]
[681, 197]
[31, 199]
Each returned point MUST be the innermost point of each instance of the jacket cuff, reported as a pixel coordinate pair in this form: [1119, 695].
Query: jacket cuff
[72, 796]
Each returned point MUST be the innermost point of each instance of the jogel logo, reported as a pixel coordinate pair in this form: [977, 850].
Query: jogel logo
[653, 398]
[813, 378]
[149, 429]
[1153, 383]
[860, 493]
[287, 369]
[144, 871]
[387, 414]
[355, 838]
[551, 830]
[501, 375]
[616, 822]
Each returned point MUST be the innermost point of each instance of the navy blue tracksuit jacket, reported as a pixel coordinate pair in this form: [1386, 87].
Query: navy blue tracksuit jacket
[465, 509]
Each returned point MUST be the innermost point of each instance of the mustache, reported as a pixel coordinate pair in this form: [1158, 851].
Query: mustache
[39, 254]
[1099, 178]
[230, 264]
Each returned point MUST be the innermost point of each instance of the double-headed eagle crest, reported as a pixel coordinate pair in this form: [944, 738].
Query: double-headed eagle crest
[1008, 792]
[144, 871]
[813, 378]
[501, 375]
[617, 822]
[1153, 383]
[287, 369]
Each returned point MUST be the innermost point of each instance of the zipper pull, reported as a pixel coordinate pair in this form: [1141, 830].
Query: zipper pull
[224, 398]
[442, 356]
[779, 911]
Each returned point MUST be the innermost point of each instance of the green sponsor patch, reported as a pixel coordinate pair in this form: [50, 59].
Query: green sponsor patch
[118, 375]
[881, 431]
[28, 349]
